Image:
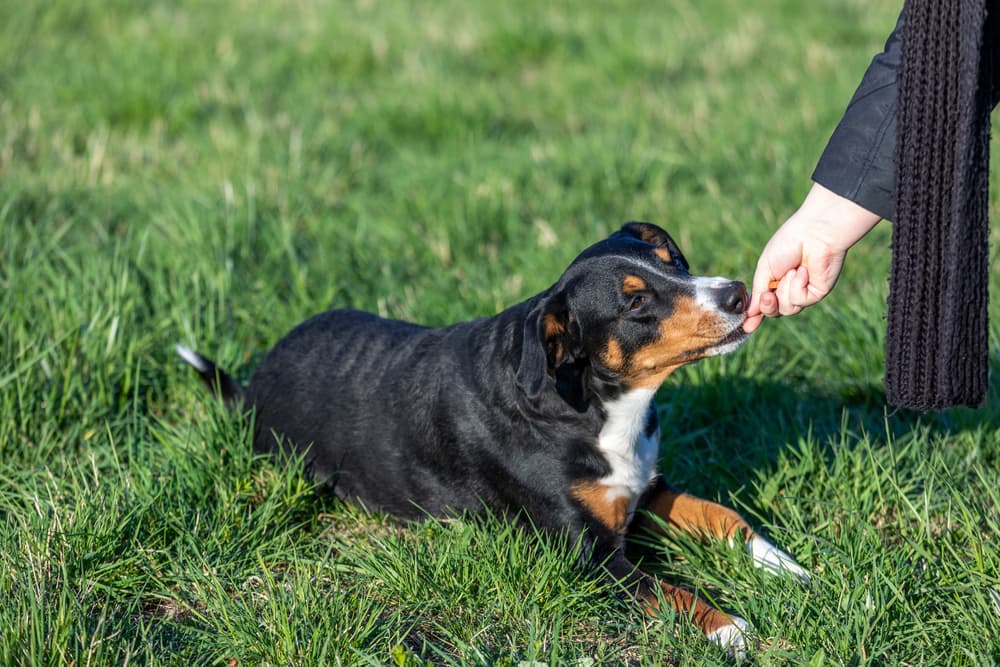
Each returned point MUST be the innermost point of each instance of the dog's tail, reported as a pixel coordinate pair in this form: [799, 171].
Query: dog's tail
[216, 379]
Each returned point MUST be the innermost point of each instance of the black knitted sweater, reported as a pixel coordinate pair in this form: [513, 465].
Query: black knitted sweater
[937, 339]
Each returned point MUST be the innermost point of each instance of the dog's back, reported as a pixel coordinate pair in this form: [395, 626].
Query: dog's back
[328, 384]
[396, 415]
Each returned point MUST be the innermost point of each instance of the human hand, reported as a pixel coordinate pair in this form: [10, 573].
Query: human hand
[801, 263]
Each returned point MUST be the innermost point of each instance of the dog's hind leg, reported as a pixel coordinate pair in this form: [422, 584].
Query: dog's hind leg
[708, 520]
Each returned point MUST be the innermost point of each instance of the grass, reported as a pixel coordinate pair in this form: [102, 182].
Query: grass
[212, 173]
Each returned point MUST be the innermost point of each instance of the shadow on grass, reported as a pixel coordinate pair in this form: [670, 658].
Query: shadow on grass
[718, 435]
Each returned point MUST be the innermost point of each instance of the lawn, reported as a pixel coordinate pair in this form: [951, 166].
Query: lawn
[211, 173]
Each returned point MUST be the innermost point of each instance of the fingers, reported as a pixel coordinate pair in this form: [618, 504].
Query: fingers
[763, 283]
[769, 304]
[766, 307]
[787, 296]
[792, 293]
[763, 302]
[752, 322]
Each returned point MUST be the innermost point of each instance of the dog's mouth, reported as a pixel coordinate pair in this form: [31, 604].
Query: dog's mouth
[727, 343]
[737, 335]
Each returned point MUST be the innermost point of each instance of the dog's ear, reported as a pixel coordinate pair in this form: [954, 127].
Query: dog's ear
[650, 233]
[551, 343]
[543, 342]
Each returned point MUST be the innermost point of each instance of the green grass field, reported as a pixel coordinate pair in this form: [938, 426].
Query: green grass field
[212, 173]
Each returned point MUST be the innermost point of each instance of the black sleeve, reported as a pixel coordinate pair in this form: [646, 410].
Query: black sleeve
[858, 160]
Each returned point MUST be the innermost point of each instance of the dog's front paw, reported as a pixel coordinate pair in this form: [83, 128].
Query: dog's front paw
[734, 638]
[772, 559]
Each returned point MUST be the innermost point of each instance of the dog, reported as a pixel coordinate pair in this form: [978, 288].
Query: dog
[544, 411]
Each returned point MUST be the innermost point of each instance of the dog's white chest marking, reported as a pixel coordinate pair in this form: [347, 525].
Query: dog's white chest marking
[630, 452]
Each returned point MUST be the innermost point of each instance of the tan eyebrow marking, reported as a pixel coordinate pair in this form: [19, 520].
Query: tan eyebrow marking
[633, 284]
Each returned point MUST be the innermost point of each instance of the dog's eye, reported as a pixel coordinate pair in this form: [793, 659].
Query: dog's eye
[638, 301]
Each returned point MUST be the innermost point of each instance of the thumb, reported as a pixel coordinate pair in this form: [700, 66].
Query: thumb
[763, 281]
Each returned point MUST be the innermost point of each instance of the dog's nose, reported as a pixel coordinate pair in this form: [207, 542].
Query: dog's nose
[733, 297]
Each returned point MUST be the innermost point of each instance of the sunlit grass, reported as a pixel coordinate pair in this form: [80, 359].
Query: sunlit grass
[213, 173]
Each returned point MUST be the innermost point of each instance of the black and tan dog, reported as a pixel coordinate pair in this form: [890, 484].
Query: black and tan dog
[544, 411]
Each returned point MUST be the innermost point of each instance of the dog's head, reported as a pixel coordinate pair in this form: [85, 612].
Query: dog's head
[624, 315]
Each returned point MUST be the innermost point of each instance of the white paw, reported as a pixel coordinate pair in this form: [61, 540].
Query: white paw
[774, 560]
[733, 638]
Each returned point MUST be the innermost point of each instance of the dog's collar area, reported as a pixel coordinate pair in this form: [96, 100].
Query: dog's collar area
[626, 443]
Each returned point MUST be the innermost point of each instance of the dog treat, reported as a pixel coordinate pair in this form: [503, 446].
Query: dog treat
[773, 284]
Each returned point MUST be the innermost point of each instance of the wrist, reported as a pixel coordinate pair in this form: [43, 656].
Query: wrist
[840, 221]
